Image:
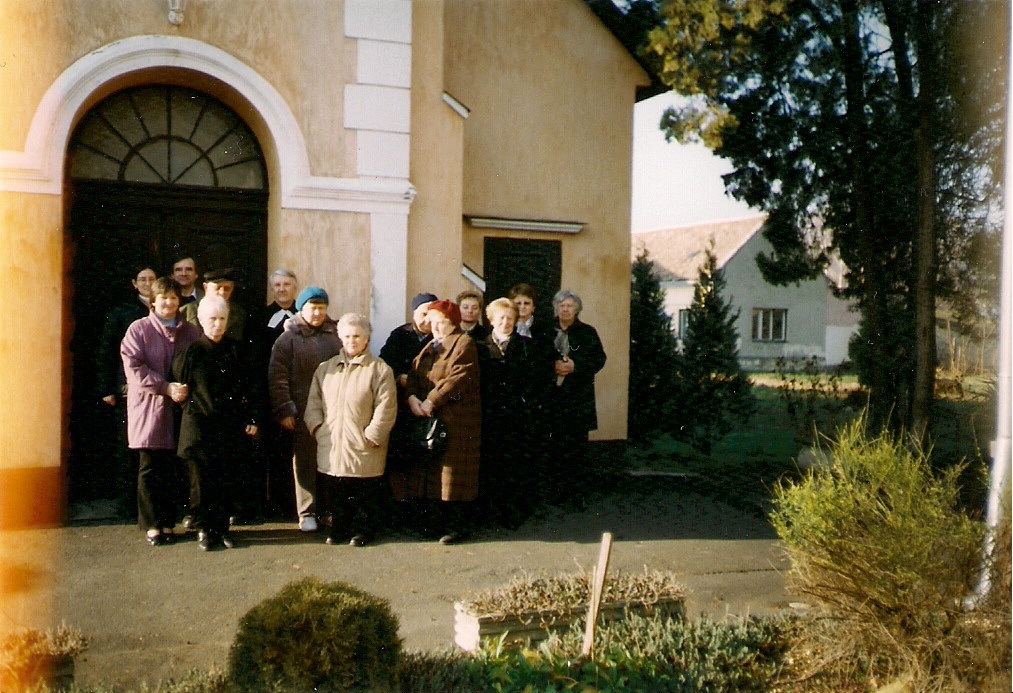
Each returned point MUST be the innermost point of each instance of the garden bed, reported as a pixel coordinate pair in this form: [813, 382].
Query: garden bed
[530, 609]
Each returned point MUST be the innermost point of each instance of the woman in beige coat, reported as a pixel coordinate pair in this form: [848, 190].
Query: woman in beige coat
[350, 411]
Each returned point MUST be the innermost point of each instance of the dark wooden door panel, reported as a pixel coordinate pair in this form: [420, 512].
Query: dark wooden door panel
[510, 261]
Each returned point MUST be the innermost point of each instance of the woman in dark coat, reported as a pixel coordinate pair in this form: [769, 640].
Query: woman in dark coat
[444, 382]
[309, 339]
[579, 356]
[515, 375]
[398, 352]
[218, 419]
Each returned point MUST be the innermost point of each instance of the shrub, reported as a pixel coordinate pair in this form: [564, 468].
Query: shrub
[812, 396]
[31, 657]
[878, 539]
[441, 672]
[317, 636]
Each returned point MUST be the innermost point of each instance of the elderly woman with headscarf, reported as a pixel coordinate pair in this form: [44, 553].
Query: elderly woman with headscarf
[351, 410]
[444, 382]
[515, 377]
[147, 351]
[219, 419]
[579, 356]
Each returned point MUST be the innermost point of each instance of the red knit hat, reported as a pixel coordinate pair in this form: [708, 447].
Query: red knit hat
[448, 309]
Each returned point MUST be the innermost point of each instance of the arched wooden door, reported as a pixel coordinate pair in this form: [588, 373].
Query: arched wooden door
[155, 172]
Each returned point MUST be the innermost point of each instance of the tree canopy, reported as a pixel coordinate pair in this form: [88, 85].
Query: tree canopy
[868, 128]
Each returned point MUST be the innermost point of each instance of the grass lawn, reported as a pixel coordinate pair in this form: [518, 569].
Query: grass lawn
[746, 463]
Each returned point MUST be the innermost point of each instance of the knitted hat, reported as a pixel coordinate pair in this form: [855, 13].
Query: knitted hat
[449, 309]
[422, 298]
[311, 293]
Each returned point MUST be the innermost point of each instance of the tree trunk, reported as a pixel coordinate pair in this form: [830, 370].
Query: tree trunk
[873, 302]
[925, 238]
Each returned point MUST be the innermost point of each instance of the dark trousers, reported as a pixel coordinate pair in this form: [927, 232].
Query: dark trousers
[213, 491]
[354, 504]
[277, 447]
[127, 465]
[156, 489]
[568, 458]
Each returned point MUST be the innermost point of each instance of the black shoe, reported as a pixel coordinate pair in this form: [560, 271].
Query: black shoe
[332, 541]
[358, 540]
[450, 538]
[205, 541]
[229, 541]
[156, 539]
[188, 523]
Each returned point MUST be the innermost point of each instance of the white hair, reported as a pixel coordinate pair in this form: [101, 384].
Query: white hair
[356, 320]
[210, 304]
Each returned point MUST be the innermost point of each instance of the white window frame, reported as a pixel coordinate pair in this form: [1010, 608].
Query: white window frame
[770, 324]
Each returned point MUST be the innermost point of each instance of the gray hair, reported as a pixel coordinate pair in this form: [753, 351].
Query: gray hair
[282, 272]
[209, 304]
[562, 296]
[355, 320]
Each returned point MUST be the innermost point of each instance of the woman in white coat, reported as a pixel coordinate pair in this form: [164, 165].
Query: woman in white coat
[350, 411]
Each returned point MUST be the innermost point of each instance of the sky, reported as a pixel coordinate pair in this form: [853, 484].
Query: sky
[675, 184]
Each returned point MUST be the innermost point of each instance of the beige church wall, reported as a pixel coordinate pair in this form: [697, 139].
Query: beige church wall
[549, 137]
[296, 45]
[434, 223]
[330, 250]
[31, 348]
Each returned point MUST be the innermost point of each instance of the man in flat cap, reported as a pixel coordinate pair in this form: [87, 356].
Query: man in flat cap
[221, 282]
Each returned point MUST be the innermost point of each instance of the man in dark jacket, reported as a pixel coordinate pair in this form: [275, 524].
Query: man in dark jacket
[111, 383]
[275, 442]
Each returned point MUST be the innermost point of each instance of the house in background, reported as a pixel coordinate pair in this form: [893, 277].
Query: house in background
[378, 148]
[797, 321]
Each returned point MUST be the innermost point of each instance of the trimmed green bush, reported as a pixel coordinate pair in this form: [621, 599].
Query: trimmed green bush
[327, 637]
[879, 540]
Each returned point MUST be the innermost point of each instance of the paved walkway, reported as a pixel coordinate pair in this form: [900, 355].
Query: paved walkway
[155, 613]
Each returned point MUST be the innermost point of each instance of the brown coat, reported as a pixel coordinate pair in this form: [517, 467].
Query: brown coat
[449, 379]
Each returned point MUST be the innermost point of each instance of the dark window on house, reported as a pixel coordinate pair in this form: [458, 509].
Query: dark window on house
[683, 322]
[770, 324]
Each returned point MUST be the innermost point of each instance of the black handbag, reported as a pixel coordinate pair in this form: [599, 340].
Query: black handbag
[427, 435]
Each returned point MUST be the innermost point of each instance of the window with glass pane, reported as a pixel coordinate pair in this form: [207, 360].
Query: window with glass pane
[166, 135]
[683, 322]
[770, 324]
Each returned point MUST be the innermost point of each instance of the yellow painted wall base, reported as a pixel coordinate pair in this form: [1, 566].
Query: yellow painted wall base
[31, 497]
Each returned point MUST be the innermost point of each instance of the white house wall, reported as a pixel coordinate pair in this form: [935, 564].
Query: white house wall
[745, 288]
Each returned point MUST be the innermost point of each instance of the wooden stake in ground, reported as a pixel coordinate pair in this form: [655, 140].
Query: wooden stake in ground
[597, 587]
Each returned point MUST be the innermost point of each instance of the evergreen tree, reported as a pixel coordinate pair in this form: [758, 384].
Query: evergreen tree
[652, 352]
[869, 128]
[713, 393]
